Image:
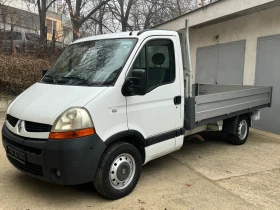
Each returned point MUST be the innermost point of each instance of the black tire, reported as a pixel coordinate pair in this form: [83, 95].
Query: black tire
[103, 181]
[242, 131]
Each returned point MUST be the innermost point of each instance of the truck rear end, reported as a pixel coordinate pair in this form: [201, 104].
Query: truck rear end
[227, 108]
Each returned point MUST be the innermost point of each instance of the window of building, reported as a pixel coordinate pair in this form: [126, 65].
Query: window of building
[51, 25]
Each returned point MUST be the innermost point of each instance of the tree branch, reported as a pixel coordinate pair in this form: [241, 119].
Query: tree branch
[97, 21]
[68, 2]
[93, 11]
[50, 4]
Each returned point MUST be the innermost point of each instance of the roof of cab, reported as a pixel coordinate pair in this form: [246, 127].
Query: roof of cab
[128, 34]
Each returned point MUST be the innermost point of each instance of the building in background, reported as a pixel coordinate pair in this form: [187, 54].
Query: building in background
[54, 21]
[236, 42]
[24, 16]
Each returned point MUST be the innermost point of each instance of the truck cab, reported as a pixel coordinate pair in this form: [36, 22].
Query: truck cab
[110, 104]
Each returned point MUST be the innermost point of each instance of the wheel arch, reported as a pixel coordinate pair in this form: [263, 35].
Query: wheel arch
[230, 124]
[132, 137]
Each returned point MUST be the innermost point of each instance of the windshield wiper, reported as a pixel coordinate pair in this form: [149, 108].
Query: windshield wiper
[49, 76]
[82, 80]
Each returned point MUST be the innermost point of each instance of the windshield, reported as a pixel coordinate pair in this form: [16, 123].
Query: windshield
[32, 36]
[91, 63]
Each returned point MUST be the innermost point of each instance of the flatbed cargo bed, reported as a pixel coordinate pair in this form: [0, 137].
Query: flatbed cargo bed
[217, 102]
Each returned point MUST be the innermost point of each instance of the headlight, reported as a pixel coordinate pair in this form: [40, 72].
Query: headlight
[73, 123]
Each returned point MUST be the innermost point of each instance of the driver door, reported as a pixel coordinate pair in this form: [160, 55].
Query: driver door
[155, 114]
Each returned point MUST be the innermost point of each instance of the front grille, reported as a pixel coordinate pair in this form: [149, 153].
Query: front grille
[37, 127]
[28, 167]
[12, 120]
[24, 147]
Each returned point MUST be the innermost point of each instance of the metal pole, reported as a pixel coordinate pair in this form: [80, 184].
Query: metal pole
[184, 57]
[187, 63]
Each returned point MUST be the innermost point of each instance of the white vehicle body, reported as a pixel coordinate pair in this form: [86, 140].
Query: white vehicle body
[158, 119]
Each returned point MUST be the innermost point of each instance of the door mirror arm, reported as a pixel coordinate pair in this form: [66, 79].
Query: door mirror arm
[136, 84]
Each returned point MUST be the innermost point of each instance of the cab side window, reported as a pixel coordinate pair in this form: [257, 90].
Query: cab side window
[157, 58]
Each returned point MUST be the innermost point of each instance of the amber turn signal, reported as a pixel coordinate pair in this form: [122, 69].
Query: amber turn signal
[71, 134]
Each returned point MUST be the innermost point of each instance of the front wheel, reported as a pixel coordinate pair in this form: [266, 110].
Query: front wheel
[242, 131]
[118, 171]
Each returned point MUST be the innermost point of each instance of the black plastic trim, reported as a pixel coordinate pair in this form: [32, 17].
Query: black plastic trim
[126, 133]
[230, 125]
[164, 136]
[189, 123]
[37, 127]
[22, 147]
[27, 167]
[161, 137]
[177, 100]
[146, 142]
[271, 92]
[12, 120]
[77, 159]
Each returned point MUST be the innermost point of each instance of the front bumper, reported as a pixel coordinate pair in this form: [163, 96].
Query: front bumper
[76, 159]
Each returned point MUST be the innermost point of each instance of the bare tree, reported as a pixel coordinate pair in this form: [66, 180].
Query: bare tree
[100, 18]
[4, 11]
[90, 17]
[9, 15]
[42, 9]
[80, 13]
[121, 11]
[147, 13]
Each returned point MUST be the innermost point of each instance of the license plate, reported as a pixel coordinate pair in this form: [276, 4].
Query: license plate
[14, 153]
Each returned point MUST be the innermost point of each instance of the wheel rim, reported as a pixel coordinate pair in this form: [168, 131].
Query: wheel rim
[122, 171]
[242, 129]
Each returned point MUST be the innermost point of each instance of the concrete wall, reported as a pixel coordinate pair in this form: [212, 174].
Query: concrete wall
[249, 28]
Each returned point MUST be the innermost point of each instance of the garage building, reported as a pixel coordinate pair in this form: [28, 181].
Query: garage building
[237, 42]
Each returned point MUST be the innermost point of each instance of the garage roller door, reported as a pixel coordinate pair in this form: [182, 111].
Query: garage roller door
[221, 64]
[268, 73]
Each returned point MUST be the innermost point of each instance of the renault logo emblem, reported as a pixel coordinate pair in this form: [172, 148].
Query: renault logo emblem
[19, 126]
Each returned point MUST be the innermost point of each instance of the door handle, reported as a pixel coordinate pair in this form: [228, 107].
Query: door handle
[177, 100]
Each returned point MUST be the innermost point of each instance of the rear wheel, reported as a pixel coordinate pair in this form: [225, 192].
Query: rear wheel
[242, 131]
[118, 171]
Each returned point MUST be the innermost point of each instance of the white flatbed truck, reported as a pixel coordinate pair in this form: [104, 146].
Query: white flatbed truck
[112, 103]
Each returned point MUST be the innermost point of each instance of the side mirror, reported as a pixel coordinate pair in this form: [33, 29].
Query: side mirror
[136, 84]
[44, 71]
